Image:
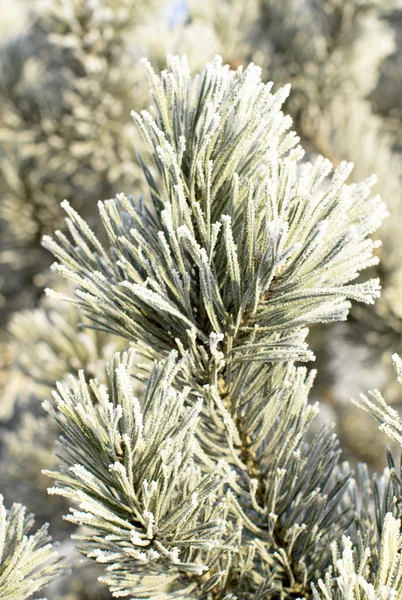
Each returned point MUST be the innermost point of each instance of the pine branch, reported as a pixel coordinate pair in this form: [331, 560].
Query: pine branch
[154, 514]
[240, 250]
[351, 576]
[389, 419]
[27, 562]
[256, 248]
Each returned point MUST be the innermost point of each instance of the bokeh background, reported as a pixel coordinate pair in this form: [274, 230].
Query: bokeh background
[70, 74]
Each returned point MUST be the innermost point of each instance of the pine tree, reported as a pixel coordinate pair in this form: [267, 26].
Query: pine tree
[49, 342]
[317, 47]
[208, 483]
[67, 86]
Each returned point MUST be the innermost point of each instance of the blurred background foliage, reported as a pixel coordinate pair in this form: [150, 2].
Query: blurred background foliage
[69, 77]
